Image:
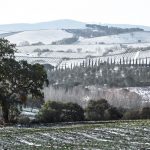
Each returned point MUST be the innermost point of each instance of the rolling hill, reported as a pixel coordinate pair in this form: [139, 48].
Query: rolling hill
[57, 24]
[133, 37]
[50, 36]
[44, 36]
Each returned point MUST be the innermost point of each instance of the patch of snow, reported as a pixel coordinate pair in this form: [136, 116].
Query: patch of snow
[143, 91]
[29, 143]
[92, 137]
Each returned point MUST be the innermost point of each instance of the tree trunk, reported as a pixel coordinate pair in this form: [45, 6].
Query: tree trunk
[5, 111]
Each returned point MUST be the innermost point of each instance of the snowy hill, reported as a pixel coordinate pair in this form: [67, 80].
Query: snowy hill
[134, 37]
[48, 36]
[44, 36]
[57, 24]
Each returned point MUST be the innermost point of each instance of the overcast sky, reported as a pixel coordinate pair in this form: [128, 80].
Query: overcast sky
[100, 11]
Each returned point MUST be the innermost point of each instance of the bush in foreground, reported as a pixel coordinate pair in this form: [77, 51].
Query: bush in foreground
[72, 112]
[24, 120]
[101, 110]
[53, 111]
[131, 115]
[50, 112]
[143, 113]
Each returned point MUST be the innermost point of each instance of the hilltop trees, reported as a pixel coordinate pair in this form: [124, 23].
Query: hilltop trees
[94, 30]
[18, 79]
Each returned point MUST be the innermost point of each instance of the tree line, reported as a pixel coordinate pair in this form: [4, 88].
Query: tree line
[99, 110]
[103, 74]
[94, 30]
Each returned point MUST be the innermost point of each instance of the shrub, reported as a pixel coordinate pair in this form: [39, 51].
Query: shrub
[50, 112]
[95, 109]
[131, 115]
[145, 113]
[112, 113]
[37, 50]
[24, 120]
[1, 121]
[72, 112]
[37, 43]
[56, 111]
[101, 110]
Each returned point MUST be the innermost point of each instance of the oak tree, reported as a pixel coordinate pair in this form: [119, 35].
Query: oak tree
[18, 79]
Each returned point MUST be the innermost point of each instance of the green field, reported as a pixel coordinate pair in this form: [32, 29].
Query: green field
[119, 135]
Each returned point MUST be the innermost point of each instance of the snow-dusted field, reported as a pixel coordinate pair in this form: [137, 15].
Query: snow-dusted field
[143, 91]
[134, 37]
[120, 135]
[58, 52]
[54, 58]
[82, 49]
[55, 53]
[99, 49]
[44, 36]
[140, 56]
[52, 35]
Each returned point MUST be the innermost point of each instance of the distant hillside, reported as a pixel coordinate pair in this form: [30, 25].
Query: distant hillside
[58, 24]
[72, 32]
[133, 37]
[60, 37]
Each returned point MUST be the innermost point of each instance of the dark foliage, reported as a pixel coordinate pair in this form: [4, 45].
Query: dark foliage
[72, 112]
[94, 30]
[131, 115]
[112, 75]
[101, 110]
[57, 112]
[143, 113]
[18, 79]
[38, 43]
[66, 41]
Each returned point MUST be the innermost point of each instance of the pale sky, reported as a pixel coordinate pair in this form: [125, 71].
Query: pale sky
[100, 11]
